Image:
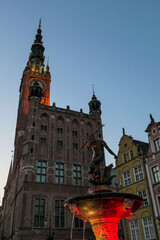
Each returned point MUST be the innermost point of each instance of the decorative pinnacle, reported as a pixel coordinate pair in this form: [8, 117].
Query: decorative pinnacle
[47, 66]
[48, 61]
[123, 130]
[151, 117]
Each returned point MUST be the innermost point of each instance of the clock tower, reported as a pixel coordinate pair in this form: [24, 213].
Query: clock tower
[34, 72]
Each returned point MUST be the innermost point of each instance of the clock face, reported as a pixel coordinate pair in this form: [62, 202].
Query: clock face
[41, 83]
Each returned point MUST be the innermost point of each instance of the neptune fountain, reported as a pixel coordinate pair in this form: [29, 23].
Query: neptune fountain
[103, 207]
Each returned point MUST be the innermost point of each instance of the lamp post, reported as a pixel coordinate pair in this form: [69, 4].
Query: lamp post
[47, 220]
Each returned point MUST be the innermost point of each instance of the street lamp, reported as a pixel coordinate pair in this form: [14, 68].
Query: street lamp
[46, 220]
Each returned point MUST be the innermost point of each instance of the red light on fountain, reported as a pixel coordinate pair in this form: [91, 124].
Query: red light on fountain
[103, 207]
[104, 210]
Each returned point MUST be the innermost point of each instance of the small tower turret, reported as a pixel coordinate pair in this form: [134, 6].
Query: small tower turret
[94, 104]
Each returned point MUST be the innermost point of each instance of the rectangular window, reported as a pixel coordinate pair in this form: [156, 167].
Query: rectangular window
[41, 171]
[158, 198]
[124, 158]
[138, 173]
[43, 127]
[75, 145]
[143, 194]
[74, 133]
[60, 130]
[59, 214]
[39, 212]
[127, 178]
[77, 175]
[131, 154]
[43, 141]
[78, 223]
[156, 174]
[148, 228]
[59, 173]
[134, 228]
[157, 144]
[59, 143]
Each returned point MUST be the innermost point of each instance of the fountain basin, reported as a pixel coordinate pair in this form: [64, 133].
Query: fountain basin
[104, 210]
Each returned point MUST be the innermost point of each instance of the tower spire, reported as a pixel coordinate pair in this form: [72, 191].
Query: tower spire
[36, 56]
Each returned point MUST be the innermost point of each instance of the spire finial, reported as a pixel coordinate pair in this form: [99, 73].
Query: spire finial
[40, 23]
[123, 130]
[93, 89]
[152, 119]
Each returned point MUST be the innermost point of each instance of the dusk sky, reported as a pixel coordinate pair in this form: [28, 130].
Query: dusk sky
[113, 44]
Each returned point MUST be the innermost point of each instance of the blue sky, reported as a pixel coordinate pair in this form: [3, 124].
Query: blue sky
[112, 44]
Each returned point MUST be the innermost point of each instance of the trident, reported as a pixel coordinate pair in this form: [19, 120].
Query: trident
[91, 136]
